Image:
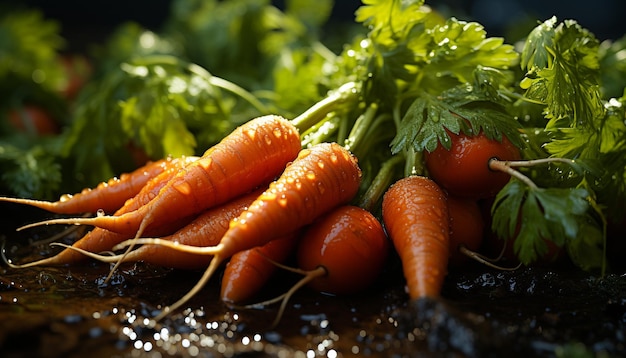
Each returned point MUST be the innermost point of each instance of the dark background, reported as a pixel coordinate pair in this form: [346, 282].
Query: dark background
[89, 21]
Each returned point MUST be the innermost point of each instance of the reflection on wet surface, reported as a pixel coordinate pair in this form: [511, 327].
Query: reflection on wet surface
[72, 312]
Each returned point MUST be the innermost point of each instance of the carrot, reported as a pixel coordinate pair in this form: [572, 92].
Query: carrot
[248, 271]
[415, 214]
[342, 252]
[319, 179]
[107, 196]
[205, 230]
[100, 239]
[251, 155]
[467, 228]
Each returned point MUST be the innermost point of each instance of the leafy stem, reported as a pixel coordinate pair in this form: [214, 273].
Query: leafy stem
[381, 182]
[317, 112]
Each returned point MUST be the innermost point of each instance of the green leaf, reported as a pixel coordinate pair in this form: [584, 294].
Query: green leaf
[531, 216]
[563, 72]
[538, 46]
[389, 15]
[424, 125]
[29, 48]
[587, 251]
[30, 173]
[470, 108]
[612, 67]
[459, 47]
[160, 105]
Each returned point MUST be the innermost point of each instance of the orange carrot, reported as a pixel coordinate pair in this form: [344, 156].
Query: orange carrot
[248, 271]
[106, 196]
[415, 214]
[467, 228]
[319, 179]
[251, 155]
[342, 252]
[100, 239]
[205, 230]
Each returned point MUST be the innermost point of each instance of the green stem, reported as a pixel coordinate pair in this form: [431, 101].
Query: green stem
[360, 128]
[321, 131]
[153, 60]
[231, 87]
[380, 183]
[319, 110]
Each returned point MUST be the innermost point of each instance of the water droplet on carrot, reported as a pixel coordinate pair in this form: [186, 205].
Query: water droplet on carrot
[251, 133]
[333, 158]
[65, 197]
[310, 175]
[320, 164]
[282, 202]
[303, 153]
[277, 132]
[321, 188]
[268, 140]
[206, 163]
[183, 188]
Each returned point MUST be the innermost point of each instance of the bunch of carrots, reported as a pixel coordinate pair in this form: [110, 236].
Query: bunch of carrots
[270, 190]
[277, 188]
[258, 197]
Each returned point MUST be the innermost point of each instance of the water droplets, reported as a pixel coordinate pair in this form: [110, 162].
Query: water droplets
[183, 187]
[334, 158]
[250, 133]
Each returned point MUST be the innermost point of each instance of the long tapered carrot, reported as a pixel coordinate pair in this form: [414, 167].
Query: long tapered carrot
[205, 230]
[248, 271]
[415, 214]
[107, 196]
[100, 239]
[319, 179]
[251, 155]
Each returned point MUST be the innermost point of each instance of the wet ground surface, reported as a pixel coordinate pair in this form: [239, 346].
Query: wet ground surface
[71, 312]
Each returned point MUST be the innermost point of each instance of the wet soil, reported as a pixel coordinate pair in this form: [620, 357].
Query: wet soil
[555, 311]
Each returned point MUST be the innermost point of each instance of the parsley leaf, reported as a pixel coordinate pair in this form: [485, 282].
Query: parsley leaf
[160, 104]
[563, 72]
[31, 172]
[531, 216]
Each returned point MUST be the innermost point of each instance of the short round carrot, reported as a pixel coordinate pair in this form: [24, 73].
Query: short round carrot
[248, 271]
[107, 196]
[251, 155]
[319, 179]
[415, 214]
[467, 228]
[342, 252]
